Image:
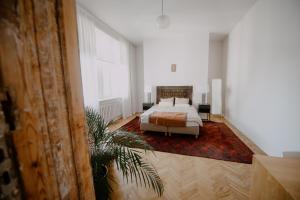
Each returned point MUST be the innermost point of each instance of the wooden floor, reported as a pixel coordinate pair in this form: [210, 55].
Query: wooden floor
[189, 177]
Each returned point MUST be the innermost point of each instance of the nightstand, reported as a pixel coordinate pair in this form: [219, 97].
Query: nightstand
[204, 108]
[147, 106]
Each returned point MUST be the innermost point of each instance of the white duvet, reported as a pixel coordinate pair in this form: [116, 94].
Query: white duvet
[193, 119]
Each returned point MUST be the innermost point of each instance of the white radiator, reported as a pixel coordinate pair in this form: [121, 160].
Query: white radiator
[110, 109]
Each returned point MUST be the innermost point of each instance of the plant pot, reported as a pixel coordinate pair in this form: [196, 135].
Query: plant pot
[102, 189]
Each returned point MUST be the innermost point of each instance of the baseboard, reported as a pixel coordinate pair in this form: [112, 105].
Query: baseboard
[218, 116]
[256, 149]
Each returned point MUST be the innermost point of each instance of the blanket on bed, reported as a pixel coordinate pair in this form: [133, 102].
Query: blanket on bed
[170, 119]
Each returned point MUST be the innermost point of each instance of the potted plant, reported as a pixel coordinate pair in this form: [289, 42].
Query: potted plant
[121, 148]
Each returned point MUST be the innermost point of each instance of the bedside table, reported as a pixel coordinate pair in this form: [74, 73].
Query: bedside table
[147, 106]
[204, 108]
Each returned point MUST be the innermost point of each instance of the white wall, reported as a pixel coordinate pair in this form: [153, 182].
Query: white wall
[190, 54]
[263, 75]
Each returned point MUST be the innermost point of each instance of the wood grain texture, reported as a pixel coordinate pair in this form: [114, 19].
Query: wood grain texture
[275, 178]
[21, 75]
[53, 88]
[74, 97]
[49, 138]
[189, 177]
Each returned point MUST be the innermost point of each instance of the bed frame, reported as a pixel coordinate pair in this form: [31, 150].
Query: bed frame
[167, 92]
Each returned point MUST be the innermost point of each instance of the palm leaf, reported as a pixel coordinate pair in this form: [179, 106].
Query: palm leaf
[117, 146]
[129, 139]
[134, 168]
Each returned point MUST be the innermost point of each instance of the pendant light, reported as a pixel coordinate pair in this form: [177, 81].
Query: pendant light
[163, 21]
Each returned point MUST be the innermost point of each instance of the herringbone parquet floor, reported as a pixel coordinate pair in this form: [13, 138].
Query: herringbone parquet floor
[188, 177]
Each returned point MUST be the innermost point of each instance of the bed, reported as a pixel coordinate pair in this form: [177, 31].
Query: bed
[193, 121]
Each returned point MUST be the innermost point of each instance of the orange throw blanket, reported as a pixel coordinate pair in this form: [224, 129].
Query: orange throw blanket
[172, 119]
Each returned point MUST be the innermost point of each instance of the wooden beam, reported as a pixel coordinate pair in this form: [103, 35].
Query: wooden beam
[39, 66]
[74, 96]
[21, 76]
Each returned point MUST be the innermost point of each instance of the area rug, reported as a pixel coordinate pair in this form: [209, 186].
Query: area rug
[216, 141]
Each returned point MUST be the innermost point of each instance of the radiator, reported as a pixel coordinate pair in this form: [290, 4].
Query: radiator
[110, 109]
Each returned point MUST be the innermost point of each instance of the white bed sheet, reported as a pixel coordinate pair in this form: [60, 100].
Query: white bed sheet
[193, 118]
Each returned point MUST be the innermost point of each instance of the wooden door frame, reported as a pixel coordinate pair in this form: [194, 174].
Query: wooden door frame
[40, 68]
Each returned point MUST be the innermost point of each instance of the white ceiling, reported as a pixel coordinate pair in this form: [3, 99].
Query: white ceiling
[136, 19]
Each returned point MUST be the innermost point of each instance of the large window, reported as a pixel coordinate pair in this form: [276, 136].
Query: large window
[106, 62]
[112, 67]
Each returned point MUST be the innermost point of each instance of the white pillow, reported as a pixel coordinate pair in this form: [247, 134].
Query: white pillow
[181, 100]
[182, 105]
[165, 104]
[167, 100]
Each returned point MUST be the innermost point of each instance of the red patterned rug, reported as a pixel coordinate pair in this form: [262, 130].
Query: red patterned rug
[215, 141]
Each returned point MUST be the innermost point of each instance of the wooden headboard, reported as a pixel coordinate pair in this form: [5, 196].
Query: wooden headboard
[174, 91]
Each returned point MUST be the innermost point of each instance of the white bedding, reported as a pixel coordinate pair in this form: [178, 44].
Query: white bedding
[193, 119]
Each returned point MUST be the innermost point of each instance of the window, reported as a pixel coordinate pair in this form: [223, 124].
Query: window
[111, 65]
[105, 65]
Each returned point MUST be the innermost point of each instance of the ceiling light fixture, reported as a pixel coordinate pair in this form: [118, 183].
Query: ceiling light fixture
[163, 21]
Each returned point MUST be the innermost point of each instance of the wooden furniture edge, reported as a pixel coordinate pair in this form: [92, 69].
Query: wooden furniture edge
[258, 160]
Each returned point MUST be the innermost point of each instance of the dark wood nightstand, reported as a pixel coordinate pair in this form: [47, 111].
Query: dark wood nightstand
[204, 108]
[147, 106]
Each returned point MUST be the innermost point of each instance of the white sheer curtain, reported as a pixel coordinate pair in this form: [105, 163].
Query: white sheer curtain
[114, 69]
[106, 64]
[87, 40]
[125, 77]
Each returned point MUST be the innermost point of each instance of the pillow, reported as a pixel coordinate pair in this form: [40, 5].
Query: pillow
[182, 105]
[165, 104]
[167, 100]
[181, 100]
